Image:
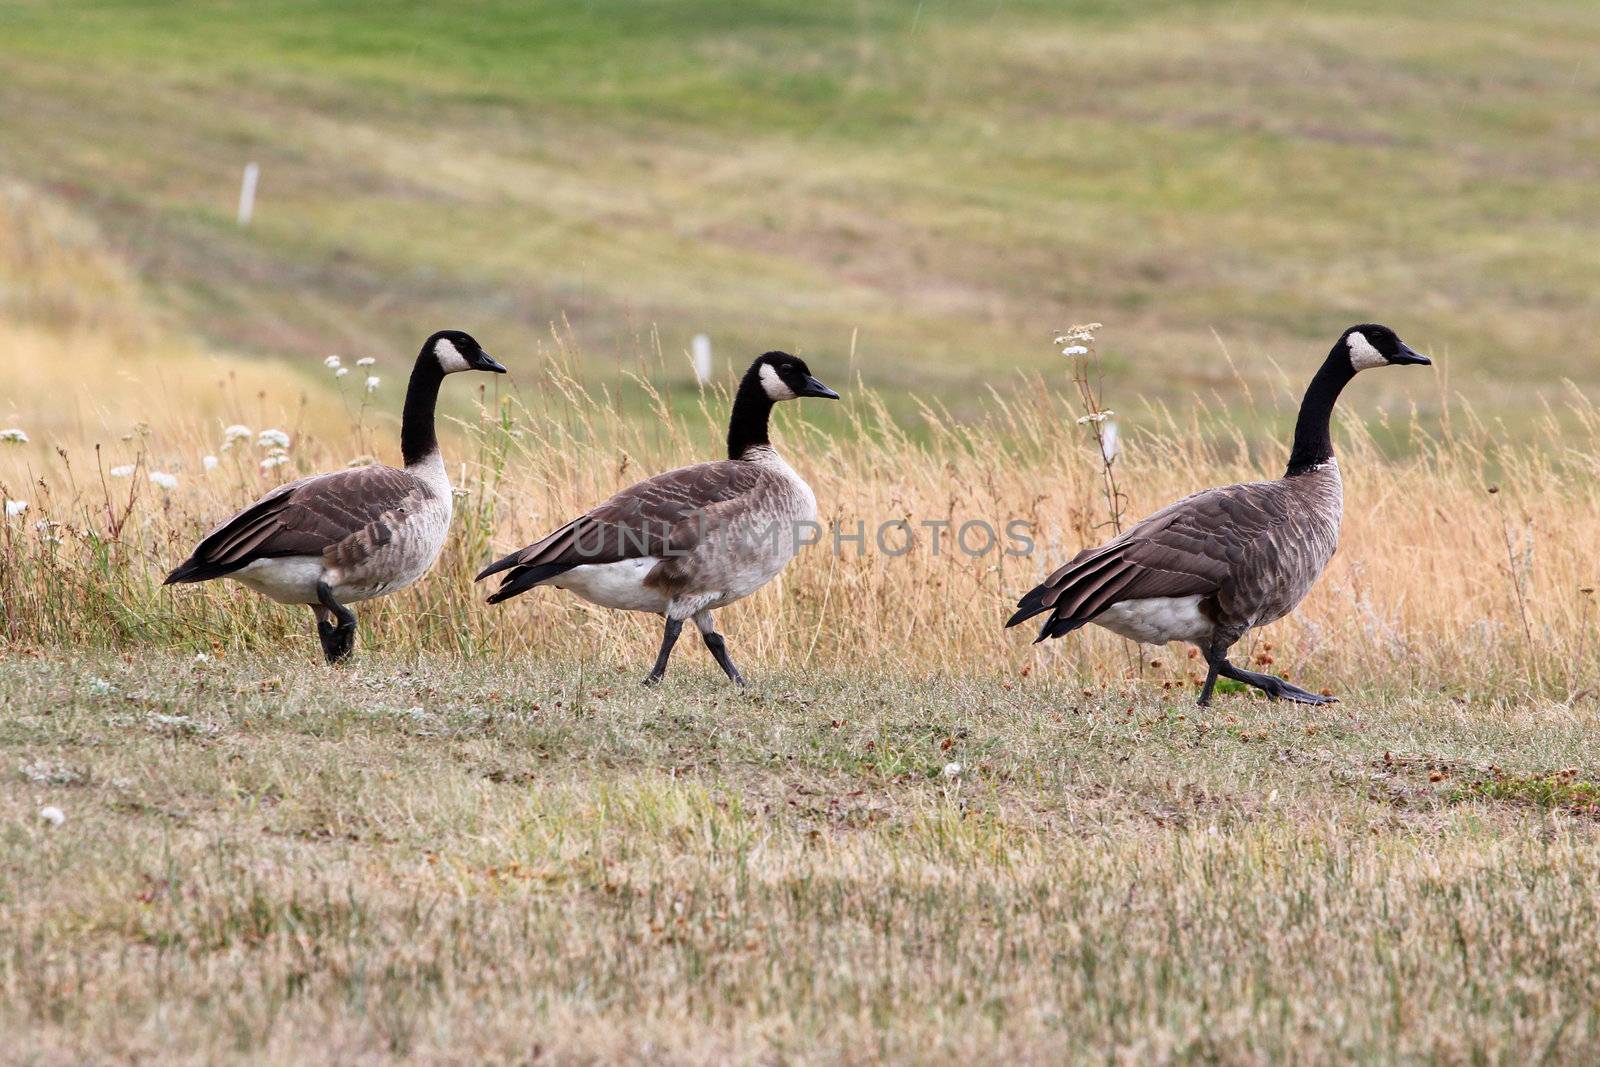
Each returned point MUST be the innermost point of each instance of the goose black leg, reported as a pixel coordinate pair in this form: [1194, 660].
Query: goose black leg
[718, 647]
[338, 641]
[1211, 683]
[668, 639]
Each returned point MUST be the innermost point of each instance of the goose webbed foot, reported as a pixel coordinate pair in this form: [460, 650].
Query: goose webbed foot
[1275, 688]
[1278, 689]
[338, 638]
[338, 642]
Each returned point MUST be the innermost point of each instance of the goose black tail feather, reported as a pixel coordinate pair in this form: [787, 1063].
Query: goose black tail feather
[194, 570]
[1059, 626]
[523, 578]
[1030, 605]
[504, 563]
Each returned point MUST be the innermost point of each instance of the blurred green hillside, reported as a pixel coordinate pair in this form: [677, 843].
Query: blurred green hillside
[925, 191]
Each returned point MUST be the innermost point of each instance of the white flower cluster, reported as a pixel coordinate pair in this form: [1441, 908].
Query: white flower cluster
[275, 443]
[13, 436]
[160, 478]
[15, 508]
[372, 382]
[1077, 339]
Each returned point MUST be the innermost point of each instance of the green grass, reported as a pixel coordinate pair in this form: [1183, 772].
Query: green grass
[1560, 789]
[933, 187]
[468, 862]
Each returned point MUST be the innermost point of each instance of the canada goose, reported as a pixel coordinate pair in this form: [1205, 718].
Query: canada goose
[1223, 561]
[335, 539]
[691, 540]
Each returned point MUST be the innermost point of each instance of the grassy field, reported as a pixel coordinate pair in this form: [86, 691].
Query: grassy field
[920, 191]
[507, 863]
[916, 838]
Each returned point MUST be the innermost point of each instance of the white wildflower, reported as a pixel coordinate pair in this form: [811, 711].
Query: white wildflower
[952, 770]
[1096, 416]
[1083, 331]
[124, 471]
[52, 815]
[1110, 442]
[1075, 350]
[272, 439]
[13, 436]
[277, 459]
[200, 659]
[233, 434]
[164, 480]
[15, 508]
[332, 363]
[372, 382]
[208, 462]
[341, 372]
[365, 361]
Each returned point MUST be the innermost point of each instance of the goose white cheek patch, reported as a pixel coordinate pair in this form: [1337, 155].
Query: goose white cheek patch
[775, 386]
[1362, 355]
[449, 356]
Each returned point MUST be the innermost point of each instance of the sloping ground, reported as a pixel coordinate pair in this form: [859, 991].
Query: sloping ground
[925, 191]
[91, 364]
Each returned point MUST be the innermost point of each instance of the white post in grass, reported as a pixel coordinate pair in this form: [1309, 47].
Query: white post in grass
[701, 349]
[247, 193]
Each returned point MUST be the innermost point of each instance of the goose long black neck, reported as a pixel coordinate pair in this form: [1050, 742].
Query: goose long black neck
[1313, 436]
[752, 407]
[417, 438]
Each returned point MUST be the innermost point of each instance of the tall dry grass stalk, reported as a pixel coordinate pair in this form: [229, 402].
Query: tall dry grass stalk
[1464, 566]
[1468, 566]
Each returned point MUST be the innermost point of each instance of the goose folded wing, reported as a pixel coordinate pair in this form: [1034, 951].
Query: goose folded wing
[661, 516]
[1192, 548]
[341, 517]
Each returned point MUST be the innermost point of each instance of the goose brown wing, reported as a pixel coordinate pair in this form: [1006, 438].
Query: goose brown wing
[341, 516]
[1193, 547]
[661, 516]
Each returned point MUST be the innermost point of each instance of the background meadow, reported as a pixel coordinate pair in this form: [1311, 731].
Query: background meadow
[917, 837]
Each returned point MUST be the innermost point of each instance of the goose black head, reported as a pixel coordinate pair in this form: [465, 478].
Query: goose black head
[785, 377]
[1370, 345]
[456, 351]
